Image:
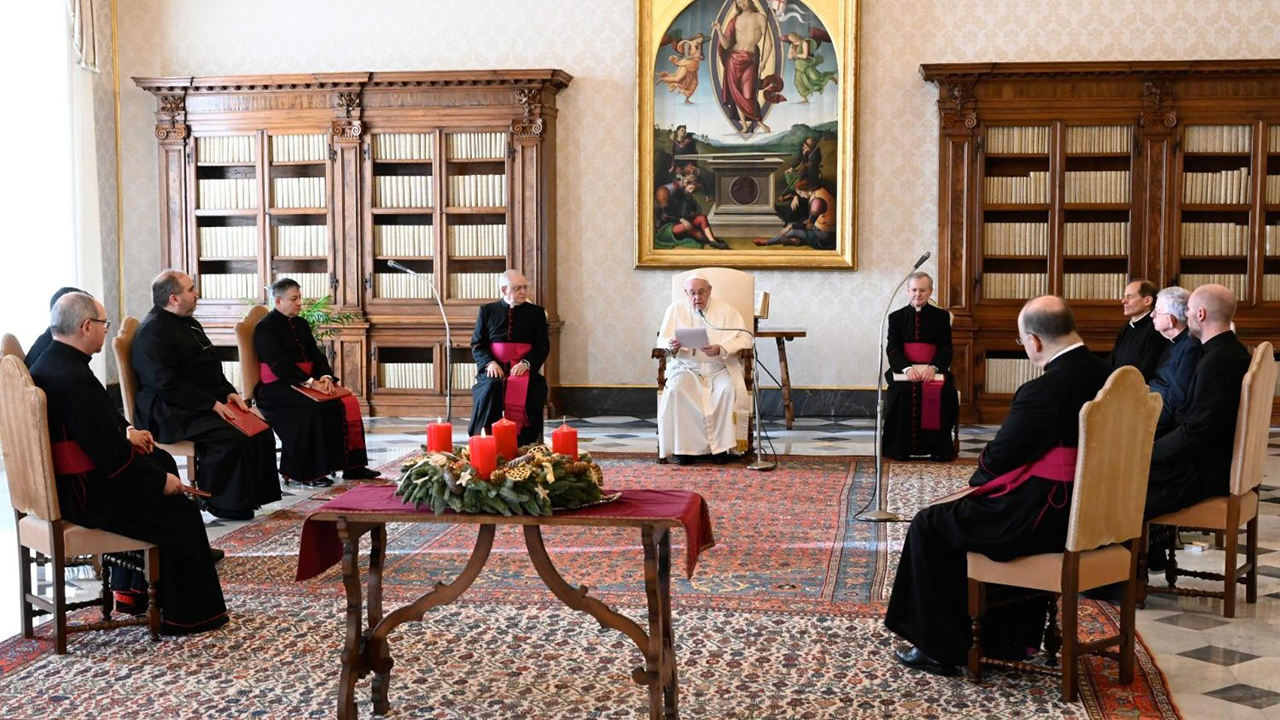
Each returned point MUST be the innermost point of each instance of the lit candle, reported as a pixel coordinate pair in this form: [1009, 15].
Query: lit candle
[564, 441]
[504, 434]
[484, 454]
[440, 436]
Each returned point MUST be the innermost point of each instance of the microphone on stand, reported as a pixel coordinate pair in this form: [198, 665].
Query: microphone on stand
[760, 463]
[448, 337]
[920, 262]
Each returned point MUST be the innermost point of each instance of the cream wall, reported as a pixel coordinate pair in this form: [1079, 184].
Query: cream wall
[610, 308]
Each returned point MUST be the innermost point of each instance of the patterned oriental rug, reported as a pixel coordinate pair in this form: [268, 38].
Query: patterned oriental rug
[782, 620]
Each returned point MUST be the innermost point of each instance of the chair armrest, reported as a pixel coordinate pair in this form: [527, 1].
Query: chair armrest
[746, 355]
[661, 356]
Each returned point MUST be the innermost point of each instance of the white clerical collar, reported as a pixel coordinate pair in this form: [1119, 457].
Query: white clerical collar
[1064, 351]
[1138, 319]
[508, 303]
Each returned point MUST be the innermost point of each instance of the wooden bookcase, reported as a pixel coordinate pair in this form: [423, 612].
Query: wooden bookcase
[328, 178]
[1073, 178]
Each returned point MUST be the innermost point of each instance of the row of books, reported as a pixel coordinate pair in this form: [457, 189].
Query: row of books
[402, 191]
[1006, 375]
[225, 149]
[1273, 240]
[239, 241]
[400, 286]
[1088, 139]
[477, 190]
[1097, 186]
[230, 286]
[406, 376]
[403, 241]
[1225, 187]
[299, 148]
[1218, 139]
[477, 240]
[1095, 238]
[1273, 190]
[314, 285]
[402, 146]
[1018, 139]
[463, 375]
[1274, 146]
[476, 146]
[1013, 286]
[474, 286]
[1020, 238]
[229, 194]
[1239, 284]
[231, 371]
[1214, 239]
[1030, 188]
[1271, 292]
[299, 192]
[1093, 286]
[301, 240]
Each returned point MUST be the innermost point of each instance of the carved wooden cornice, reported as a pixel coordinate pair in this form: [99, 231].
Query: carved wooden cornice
[349, 102]
[955, 105]
[1156, 96]
[356, 81]
[346, 131]
[529, 124]
[1172, 69]
[171, 126]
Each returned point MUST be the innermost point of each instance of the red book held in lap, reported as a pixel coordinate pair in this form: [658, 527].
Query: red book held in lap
[247, 421]
[321, 397]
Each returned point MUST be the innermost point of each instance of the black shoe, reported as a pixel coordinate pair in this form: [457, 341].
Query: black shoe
[319, 482]
[363, 473]
[910, 656]
[686, 459]
[720, 245]
[218, 554]
[229, 514]
[721, 458]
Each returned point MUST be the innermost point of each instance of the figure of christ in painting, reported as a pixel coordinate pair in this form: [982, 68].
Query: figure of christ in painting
[803, 52]
[679, 218]
[818, 228]
[744, 50]
[685, 78]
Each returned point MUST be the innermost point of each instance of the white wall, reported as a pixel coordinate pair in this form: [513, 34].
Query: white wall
[605, 338]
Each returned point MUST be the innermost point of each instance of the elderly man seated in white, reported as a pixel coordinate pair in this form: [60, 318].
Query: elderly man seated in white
[704, 406]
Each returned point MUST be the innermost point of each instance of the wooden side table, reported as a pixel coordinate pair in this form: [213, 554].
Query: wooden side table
[782, 336]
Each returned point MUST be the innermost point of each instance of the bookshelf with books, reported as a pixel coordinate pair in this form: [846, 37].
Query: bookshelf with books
[329, 178]
[1074, 178]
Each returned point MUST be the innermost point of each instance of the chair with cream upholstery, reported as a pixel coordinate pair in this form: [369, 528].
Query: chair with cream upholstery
[730, 286]
[250, 373]
[1117, 429]
[9, 345]
[28, 463]
[122, 347]
[1226, 514]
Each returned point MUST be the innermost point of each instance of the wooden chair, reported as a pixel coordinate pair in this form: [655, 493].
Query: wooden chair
[9, 345]
[1117, 429]
[28, 463]
[250, 373]
[122, 346]
[738, 289]
[1225, 514]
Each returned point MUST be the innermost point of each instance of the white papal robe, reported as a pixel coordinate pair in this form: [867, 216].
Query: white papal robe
[704, 406]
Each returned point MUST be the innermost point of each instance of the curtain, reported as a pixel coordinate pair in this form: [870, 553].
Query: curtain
[84, 40]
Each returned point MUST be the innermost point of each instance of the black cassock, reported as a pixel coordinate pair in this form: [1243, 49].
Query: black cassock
[500, 322]
[180, 377]
[124, 492]
[1173, 378]
[929, 604]
[1193, 460]
[903, 436]
[1139, 344]
[313, 435]
[38, 347]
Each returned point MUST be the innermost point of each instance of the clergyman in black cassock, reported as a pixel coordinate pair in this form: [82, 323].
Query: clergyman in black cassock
[181, 385]
[120, 489]
[919, 416]
[1139, 343]
[928, 606]
[46, 338]
[509, 333]
[1173, 377]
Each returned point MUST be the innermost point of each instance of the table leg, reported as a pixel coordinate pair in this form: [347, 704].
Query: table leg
[660, 655]
[788, 410]
[671, 689]
[353, 660]
[381, 678]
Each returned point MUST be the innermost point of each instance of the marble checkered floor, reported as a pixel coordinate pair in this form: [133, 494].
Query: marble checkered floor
[1217, 668]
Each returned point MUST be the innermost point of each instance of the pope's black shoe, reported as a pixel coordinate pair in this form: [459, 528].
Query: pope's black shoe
[362, 473]
[686, 459]
[911, 656]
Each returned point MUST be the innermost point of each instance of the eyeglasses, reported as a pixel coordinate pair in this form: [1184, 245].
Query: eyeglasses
[701, 292]
[106, 324]
[517, 288]
[1018, 340]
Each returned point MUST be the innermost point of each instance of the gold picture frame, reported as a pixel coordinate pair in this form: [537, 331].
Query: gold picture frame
[731, 114]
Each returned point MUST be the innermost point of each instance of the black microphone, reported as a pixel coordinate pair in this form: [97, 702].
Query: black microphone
[402, 268]
[920, 262]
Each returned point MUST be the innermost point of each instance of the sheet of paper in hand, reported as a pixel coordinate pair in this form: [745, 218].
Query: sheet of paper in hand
[692, 338]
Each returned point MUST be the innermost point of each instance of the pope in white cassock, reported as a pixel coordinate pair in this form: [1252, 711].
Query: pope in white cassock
[704, 406]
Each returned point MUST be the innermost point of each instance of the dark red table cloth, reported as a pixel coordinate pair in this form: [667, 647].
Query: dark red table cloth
[320, 548]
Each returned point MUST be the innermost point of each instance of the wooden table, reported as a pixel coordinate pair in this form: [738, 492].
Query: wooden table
[366, 648]
[782, 336]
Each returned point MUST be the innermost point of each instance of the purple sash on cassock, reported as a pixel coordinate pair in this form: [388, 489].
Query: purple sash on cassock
[920, 353]
[515, 398]
[1059, 465]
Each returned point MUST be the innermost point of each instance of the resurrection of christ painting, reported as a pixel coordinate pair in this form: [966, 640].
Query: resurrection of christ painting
[746, 127]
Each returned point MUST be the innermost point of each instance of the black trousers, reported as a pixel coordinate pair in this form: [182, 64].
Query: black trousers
[238, 469]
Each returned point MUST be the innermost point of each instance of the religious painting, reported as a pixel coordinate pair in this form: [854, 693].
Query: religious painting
[745, 133]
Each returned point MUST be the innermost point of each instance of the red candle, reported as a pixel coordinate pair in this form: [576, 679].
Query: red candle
[504, 434]
[564, 441]
[484, 454]
[440, 436]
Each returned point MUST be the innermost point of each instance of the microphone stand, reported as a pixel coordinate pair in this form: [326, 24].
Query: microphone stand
[448, 337]
[759, 463]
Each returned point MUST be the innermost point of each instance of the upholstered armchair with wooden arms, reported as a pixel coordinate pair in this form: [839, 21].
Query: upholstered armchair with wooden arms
[1117, 430]
[122, 347]
[1225, 514]
[28, 463]
[730, 286]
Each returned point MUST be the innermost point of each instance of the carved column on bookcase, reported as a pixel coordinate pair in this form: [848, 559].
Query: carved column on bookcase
[1156, 210]
[172, 134]
[957, 201]
[346, 134]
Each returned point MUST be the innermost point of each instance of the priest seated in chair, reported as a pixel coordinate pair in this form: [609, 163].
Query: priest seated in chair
[920, 412]
[317, 436]
[704, 408]
[510, 343]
